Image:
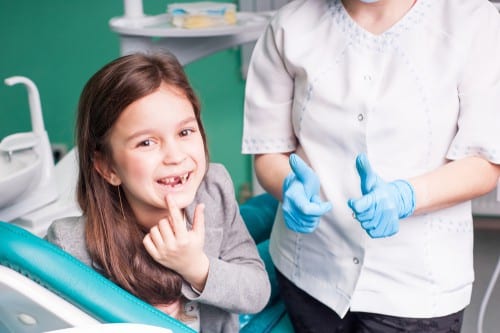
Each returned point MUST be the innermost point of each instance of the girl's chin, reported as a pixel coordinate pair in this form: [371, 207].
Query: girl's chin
[182, 200]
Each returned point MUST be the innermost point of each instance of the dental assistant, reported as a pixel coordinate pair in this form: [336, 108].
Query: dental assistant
[375, 123]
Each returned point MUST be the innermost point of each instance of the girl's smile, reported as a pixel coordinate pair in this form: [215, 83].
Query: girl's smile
[174, 181]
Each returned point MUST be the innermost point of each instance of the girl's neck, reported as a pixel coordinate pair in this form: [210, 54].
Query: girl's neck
[378, 17]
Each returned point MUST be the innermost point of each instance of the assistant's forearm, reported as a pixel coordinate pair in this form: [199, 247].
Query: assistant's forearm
[271, 170]
[454, 182]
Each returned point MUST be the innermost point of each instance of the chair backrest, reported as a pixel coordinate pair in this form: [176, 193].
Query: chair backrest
[59, 272]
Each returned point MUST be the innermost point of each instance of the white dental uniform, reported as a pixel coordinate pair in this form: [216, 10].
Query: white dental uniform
[426, 90]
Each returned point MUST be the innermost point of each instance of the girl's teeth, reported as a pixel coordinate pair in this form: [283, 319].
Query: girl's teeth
[184, 178]
[176, 180]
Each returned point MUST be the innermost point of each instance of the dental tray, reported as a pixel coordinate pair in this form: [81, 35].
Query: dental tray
[161, 26]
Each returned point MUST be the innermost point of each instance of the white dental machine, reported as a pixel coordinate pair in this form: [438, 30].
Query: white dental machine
[30, 196]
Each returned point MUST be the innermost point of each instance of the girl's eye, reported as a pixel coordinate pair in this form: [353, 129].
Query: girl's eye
[186, 132]
[145, 143]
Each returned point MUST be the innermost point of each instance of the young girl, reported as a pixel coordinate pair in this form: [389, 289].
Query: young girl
[146, 189]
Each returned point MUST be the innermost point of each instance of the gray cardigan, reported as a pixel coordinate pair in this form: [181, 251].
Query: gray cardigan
[237, 280]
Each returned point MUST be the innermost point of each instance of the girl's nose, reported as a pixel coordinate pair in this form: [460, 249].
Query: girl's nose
[172, 153]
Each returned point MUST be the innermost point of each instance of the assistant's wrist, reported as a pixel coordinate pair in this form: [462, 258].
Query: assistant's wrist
[406, 197]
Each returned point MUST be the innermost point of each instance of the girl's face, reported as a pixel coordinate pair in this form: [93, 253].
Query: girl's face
[157, 150]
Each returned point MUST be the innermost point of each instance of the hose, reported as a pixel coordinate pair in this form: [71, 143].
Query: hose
[486, 297]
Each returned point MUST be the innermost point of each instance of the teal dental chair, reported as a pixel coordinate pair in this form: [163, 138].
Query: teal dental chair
[44, 289]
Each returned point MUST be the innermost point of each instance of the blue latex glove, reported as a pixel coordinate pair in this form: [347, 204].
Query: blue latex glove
[383, 204]
[302, 206]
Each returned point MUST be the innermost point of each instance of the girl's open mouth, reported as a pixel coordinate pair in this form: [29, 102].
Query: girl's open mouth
[174, 181]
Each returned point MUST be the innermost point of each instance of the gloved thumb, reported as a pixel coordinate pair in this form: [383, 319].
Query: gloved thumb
[366, 174]
[305, 175]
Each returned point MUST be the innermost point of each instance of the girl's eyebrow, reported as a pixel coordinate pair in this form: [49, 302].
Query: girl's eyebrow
[183, 122]
[187, 120]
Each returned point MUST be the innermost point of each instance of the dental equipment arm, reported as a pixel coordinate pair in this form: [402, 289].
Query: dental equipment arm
[33, 100]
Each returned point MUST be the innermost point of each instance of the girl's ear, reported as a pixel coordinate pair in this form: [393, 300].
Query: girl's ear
[103, 167]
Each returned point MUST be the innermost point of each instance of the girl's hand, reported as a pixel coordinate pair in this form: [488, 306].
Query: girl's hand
[172, 245]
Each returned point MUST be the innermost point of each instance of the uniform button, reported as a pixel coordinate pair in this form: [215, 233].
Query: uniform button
[361, 117]
[355, 260]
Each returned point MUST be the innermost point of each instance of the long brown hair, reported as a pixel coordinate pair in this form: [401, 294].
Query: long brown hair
[112, 234]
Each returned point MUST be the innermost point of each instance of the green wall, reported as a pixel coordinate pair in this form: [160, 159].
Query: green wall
[59, 44]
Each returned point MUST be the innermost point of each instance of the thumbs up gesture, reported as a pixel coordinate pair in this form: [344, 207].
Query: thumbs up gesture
[302, 206]
[383, 204]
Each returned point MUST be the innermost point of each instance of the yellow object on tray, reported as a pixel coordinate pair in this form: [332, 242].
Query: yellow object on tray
[202, 14]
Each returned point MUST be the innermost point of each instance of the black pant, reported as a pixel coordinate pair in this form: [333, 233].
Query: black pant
[308, 315]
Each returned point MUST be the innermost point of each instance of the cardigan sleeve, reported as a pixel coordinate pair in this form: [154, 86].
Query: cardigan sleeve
[69, 234]
[237, 280]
